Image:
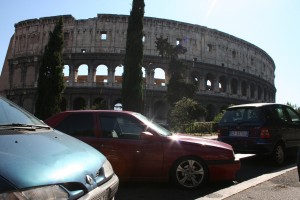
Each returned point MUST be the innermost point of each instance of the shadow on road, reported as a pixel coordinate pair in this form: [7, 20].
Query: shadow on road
[251, 167]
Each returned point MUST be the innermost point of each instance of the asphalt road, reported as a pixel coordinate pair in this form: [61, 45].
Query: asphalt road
[252, 167]
[285, 186]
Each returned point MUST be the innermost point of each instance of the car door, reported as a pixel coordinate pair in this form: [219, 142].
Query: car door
[294, 125]
[286, 131]
[130, 156]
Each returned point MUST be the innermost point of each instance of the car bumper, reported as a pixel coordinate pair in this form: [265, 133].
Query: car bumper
[246, 145]
[223, 170]
[104, 191]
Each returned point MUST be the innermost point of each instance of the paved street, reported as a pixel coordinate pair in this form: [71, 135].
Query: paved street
[255, 175]
[278, 185]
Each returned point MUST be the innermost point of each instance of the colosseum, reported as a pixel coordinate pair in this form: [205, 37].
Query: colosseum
[227, 70]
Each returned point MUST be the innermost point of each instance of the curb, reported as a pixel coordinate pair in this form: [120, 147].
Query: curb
[227, 192]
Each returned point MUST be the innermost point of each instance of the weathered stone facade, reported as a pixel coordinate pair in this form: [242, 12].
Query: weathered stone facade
[227, 70]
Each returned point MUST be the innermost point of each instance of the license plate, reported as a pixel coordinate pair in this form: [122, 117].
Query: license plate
[238, 133]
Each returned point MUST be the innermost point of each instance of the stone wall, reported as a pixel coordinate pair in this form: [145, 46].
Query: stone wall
[226, 69]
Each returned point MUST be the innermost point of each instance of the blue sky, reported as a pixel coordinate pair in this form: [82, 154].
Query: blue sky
[272, 25]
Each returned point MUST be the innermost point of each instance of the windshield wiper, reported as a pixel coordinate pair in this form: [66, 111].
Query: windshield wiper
[24, 126]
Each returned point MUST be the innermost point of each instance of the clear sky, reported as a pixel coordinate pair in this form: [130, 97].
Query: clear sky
[272, 25]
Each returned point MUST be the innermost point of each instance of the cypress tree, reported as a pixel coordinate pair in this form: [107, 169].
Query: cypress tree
[51, 79]
[132, 85]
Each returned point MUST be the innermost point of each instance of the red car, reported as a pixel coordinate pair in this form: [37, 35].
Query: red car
[139, 149]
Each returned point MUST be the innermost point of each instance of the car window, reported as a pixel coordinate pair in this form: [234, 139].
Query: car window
[281, 114]
[249, 114]
[123, 127]
[293, 115]
[77, 125]
[110, 127]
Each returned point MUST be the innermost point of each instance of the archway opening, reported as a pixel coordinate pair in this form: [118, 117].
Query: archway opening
[159, 77]
[79, 104]
[102, 74]
[82, 74]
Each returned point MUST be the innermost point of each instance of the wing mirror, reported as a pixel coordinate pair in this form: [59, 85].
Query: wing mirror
[147, 136]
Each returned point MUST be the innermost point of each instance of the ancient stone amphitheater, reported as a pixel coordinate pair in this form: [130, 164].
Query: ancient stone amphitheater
[227, 69]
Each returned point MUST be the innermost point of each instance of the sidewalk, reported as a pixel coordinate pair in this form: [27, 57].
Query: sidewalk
[278, 185]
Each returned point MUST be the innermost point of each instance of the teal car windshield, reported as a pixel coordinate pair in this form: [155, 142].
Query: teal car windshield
[156, 127]
[11, 114]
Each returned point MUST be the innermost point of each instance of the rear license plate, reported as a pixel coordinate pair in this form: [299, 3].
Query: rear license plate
[238, 133]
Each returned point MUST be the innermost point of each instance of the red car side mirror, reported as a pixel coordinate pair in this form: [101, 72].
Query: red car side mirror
[147, 136]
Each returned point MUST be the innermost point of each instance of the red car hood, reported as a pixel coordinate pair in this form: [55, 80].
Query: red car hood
[199, 140]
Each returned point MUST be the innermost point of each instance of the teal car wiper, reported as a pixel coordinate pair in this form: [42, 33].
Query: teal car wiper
[24, 126]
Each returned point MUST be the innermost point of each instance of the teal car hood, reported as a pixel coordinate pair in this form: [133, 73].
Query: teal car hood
[35, 158]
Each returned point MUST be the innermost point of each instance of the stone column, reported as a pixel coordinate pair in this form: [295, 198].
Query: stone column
[248, 91]
[111, 75]
[239, 88]
[11, 74]
[91, 74]
[215, 85]
[151, 77]
[202, 83]
[73, 71]
[228, 89]
[23, 74]
[147, 72]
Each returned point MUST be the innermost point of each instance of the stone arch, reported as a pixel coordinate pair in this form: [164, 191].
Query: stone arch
[118, 104]
[195, 78]
[223, 84]
[82, 73]
[209, 82]
[100, 103]
[66, 72]
[119, 70]
[79, 103]
[234, 86]
[101, 74]
[144, 72]
[222, 108]
[160, 110]
[211, 112]
[159, 77]
[28, 104]
[63, 104]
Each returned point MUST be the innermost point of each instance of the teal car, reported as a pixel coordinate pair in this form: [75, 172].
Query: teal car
[38, 162]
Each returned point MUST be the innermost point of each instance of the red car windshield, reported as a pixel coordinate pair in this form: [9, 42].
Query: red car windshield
[156, 127]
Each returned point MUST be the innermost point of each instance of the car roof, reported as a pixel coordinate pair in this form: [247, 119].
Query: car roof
[98, 111]
[254, 105]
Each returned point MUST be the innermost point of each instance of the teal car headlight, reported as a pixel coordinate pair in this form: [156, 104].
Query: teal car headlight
[47, 192]
[107, 169]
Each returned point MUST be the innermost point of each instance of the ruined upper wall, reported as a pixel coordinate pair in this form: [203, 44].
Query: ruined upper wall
[106, 33]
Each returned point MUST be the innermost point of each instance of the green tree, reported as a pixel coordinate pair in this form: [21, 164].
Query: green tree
[219, 116]
[132, 85]
[51, 79]
[178, 87]
[294, 106]
[185, 111]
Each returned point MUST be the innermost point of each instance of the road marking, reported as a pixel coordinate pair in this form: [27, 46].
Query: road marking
[241, 155]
